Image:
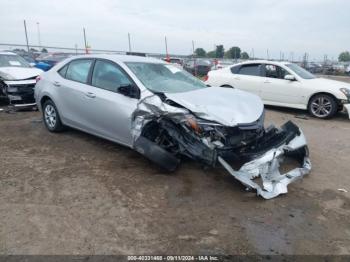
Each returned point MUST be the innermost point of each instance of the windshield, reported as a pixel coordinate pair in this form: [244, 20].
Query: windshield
[300, 71]
[13, 61]
[165, 78]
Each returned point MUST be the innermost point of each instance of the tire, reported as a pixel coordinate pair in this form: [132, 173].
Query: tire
[51, 117]
[323, 106]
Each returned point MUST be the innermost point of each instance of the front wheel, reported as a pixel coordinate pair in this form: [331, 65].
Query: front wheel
[51, 117]
[322, 106]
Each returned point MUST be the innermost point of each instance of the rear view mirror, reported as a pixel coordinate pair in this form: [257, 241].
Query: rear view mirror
[289, 77]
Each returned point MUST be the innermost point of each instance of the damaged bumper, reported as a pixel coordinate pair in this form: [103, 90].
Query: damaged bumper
[347, 108]
[163, 134]
[267, 168]
[20, 92]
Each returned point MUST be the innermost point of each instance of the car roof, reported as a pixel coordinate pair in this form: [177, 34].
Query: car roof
[121, 58]
[6, 53]
[264, 62]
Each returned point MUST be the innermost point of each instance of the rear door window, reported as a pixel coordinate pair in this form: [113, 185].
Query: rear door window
[251, 70]
[78, 70]
[62, 72]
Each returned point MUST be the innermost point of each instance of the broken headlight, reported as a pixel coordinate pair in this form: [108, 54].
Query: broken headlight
[191, 122]
[346, 92]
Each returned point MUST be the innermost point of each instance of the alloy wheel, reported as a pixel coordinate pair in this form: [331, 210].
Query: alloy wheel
[50, 116]
[321, 107]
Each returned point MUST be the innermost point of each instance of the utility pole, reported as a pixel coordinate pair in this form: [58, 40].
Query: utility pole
[39, 39]
[129, 42]
[25, 30]
[253, 53]
[194, 59]
[166, 50]
[85, 43]
[267, 54]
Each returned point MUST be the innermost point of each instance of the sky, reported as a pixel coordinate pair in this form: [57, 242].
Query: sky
[318, 27]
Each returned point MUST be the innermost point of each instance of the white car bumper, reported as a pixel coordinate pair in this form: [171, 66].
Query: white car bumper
[347, 108]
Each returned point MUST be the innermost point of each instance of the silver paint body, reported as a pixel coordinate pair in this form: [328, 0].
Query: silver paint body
[109, 114]
[119, 118]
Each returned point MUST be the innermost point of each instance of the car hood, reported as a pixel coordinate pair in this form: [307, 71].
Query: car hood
[327, 83]
[226, 106]
[19, 73]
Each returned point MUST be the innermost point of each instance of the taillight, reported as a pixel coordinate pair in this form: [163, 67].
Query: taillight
[37, 79]
[205, 78]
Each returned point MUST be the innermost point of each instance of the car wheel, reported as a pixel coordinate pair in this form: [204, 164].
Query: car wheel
[322, 106]
[51, 117]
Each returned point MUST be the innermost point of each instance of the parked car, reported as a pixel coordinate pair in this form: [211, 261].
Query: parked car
[347, 70]
[174, 60]
[199, 67]
[285, 84]
[47, 60]
[17, 79]
[221, 64]
[165, 113]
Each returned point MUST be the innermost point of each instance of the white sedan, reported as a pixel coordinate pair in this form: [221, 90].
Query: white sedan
[285, 84]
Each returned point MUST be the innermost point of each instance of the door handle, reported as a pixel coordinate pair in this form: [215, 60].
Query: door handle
[237, 78]
[267, 82]
[90, 94]
[56, 83]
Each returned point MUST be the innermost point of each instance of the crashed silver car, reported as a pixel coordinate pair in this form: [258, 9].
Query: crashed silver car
[17, 80]
[165, 113]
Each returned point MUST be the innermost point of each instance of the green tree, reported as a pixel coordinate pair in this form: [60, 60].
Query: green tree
[211, 54]
[219, 51]
[244, 55]
[44, 50]
[344, 56]
[200, 52]
[233, 53]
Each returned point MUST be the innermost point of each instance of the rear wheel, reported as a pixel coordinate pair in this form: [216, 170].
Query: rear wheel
[51, 117]
[322, 106]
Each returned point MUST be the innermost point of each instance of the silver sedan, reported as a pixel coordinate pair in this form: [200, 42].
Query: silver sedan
[165, 113]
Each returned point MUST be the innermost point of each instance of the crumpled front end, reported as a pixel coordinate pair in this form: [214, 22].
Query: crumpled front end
[19, 92]
[163, 131]
[266, 167]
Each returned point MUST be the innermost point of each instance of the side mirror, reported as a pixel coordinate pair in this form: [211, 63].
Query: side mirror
[129, 90]
[289, 77]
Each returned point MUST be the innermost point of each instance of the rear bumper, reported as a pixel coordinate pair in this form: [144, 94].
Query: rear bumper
[267, 168]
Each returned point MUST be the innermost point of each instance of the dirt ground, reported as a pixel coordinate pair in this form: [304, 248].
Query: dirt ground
[72, 193]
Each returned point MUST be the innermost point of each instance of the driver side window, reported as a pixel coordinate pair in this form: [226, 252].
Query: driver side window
[273, 71]
[108, 76]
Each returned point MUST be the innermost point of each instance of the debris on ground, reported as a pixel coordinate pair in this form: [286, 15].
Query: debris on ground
[305, 117]
[342, 190]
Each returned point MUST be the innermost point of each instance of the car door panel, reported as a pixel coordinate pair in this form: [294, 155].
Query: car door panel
[108, 111]
[109, 114]
[281, 91]
[275, 90]
[248, 78]
[72, 88]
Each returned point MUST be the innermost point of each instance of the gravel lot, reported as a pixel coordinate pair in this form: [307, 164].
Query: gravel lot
[72, 193]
